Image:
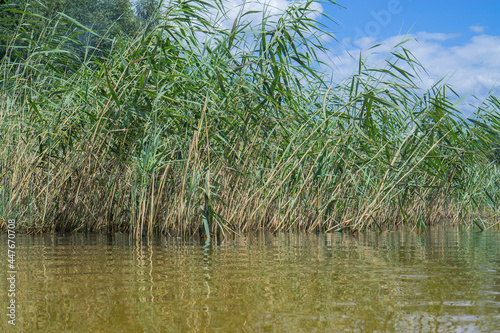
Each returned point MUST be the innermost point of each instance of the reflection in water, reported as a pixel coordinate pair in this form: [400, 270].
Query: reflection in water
[442, 281]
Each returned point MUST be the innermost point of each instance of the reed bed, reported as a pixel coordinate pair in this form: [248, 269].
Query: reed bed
[187, 128]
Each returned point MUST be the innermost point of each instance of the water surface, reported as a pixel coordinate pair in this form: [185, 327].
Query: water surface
[446, 280]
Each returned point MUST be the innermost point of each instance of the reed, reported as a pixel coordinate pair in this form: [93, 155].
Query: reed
[187, 127]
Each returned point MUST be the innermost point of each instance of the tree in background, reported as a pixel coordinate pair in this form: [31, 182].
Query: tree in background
[101, 16]
[146, 9]
[104, 17]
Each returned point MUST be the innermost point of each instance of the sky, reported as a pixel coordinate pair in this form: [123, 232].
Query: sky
[386, 18]
[458, 40]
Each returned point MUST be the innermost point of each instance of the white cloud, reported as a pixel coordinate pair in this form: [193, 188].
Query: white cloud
[477, 29]
[272, 8]
[472, 68]
[441, 37]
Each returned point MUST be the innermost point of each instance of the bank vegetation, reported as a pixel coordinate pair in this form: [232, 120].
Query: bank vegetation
[183, 126]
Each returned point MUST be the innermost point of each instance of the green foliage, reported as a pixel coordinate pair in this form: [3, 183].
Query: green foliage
[102, 15]
[104, 18]
[147, 9]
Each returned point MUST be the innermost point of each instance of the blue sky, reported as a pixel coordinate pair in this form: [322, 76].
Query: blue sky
[387, 18]
[456, 40]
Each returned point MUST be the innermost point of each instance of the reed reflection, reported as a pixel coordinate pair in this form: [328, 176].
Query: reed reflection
[397, 281]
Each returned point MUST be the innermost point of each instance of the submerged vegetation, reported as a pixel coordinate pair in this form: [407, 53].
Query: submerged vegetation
[185, 127]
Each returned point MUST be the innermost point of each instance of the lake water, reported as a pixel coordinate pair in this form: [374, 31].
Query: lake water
[446, 280]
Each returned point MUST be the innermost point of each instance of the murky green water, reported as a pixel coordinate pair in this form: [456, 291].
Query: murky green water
[443, 281]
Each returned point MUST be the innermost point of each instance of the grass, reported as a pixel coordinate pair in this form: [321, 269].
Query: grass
[173, 134]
